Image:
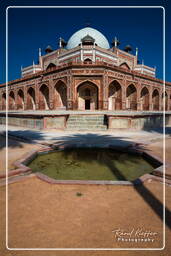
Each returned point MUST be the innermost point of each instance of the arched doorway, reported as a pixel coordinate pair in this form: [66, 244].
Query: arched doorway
[115, 96]
[60, 99]
[131, 97]
[4, 101]
[87, 96]
[11, 100]
[155, 100]
[31, 101]
[44, 97]
[20, 99]
[165, 101]
[144, 99]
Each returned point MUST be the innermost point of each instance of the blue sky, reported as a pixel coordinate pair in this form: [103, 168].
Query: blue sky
[31, 28]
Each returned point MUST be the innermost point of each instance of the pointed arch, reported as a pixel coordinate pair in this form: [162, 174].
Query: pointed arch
[155, 100]
[11, 100]
[125, 66]
[144, 98]
[50, 66]
[87, 93]
[44, 97]
[114, 96]
[87, 61]
[131, 97]
[4, 101]
[60, 99]
[20, 99]
[31, 98]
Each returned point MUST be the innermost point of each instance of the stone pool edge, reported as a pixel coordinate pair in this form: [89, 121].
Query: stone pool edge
[22, 169]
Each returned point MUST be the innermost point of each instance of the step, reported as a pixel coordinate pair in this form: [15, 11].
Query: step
[87, 126]
[85, 119]
[85, 123]
[86, 129]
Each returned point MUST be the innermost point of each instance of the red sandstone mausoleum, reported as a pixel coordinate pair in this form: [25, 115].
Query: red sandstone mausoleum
[87, 74]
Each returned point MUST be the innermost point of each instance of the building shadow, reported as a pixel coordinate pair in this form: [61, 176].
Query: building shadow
[101, 140]
[18, 137]
[96, 140]
[156, 125]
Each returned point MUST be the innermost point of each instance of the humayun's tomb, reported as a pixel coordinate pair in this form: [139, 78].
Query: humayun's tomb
[86, 74]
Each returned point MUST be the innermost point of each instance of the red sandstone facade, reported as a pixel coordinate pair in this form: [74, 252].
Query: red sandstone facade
[87, 78]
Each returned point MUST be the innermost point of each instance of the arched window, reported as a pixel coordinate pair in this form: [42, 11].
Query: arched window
[88, 61]
[87, 92]
[50, 66]
[124, 65]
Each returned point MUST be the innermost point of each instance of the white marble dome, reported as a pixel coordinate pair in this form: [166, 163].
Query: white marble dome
[100, 39]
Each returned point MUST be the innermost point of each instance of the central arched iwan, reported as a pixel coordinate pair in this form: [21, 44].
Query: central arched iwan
[87, 96]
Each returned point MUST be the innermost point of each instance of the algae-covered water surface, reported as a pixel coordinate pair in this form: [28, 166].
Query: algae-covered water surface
[91, 164]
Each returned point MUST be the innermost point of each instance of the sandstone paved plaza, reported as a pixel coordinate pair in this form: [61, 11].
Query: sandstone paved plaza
[77, 222]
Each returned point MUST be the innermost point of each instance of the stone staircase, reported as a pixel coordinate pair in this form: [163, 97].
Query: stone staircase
[86, 123]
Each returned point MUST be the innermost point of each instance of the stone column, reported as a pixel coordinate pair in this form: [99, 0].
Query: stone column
[25, 97]
[36, 95]
[70, 90]
[139, 103]
[15, 96]
[124, 86]
[160, 100]
[105, 87]
[167, 100]
[51, 94]
[150, 98]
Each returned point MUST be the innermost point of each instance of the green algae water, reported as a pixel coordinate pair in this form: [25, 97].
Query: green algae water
[91, 164]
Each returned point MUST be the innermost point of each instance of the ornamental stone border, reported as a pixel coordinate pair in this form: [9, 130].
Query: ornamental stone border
[132, 148]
